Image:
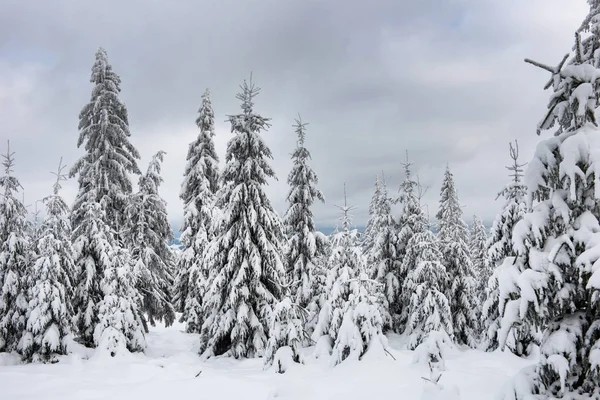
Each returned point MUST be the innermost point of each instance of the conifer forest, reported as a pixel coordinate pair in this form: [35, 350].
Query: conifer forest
[105, 294]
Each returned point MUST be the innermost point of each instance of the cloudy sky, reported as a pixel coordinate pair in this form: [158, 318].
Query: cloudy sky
[444, 80]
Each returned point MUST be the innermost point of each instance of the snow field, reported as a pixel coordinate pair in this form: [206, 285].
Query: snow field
[170, 366]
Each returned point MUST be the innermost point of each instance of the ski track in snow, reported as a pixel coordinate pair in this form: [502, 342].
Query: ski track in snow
[170, 364]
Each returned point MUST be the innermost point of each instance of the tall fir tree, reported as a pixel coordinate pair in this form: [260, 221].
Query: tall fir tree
[380, 249]
[149, 237]
[499, 248]
[558, 241]
[305, 245]
[50, 309]
[15, 257]
[428, 308]
[246, 256]
[103, 177]
[109, 157]
[453, 237]
[198, 192]
[412, 221]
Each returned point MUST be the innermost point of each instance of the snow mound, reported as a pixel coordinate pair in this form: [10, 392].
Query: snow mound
[112, 343]
[323, 347]
[283, 360]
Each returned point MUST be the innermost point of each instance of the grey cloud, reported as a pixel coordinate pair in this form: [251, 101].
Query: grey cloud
[444, 80]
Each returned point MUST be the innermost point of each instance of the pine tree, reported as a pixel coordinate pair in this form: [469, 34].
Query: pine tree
[246, 256]
[380, 250]
[350, 316]
[453, 237]
[558, 241]
[198, 193]
[305, 245]
[428, 309]
[149, 243]
[110, 157]
[50, 310]
[412, 221]
[478, 249]
[499, 248]
[15, 257]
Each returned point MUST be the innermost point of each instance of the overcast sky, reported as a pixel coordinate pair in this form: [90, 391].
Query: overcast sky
[443, 79]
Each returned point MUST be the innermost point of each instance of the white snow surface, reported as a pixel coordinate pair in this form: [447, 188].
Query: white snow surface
[170, 368]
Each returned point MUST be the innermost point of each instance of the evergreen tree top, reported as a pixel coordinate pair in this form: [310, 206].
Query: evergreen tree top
[9, 182]
[60, 176]
[300, 131]
[346, 217]
[206, 115]
[247, 95]
[246, 152]
[102, 71]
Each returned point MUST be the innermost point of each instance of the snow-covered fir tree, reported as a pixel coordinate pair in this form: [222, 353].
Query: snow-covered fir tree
[247, 254]
[428, 309]
[106, 300]
[453, 237]
[92, 246]
[558, 241]
[412, 221]
[478, 248]
[198, 192]
[103, 177]
[286, 335]
[351, 315]
[499, 248]
[15, 258]
[120, 325]
[305, 245]
[109, 156]
[380, 250]
[50, 310]
[148, 239]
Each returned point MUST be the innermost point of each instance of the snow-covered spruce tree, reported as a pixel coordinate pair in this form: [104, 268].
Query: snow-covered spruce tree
[246, 256]
[380, 249]
[102, 174]
[148, 240]
[558, 241]
[198, 192]
[15, 257]
[412, 220]
[305, 245]
[106, 300]
[120, 325]
[453, 237]
[286, 335]
[109, 157]
[500, 247]
[428, 309]
[92, 245]
[50, 310]
[350, 317]
[478, 248]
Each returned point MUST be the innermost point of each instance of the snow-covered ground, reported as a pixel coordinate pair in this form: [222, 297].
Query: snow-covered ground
[171, 369]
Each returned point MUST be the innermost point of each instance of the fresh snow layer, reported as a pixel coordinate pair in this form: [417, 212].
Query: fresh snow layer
[171, 369]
